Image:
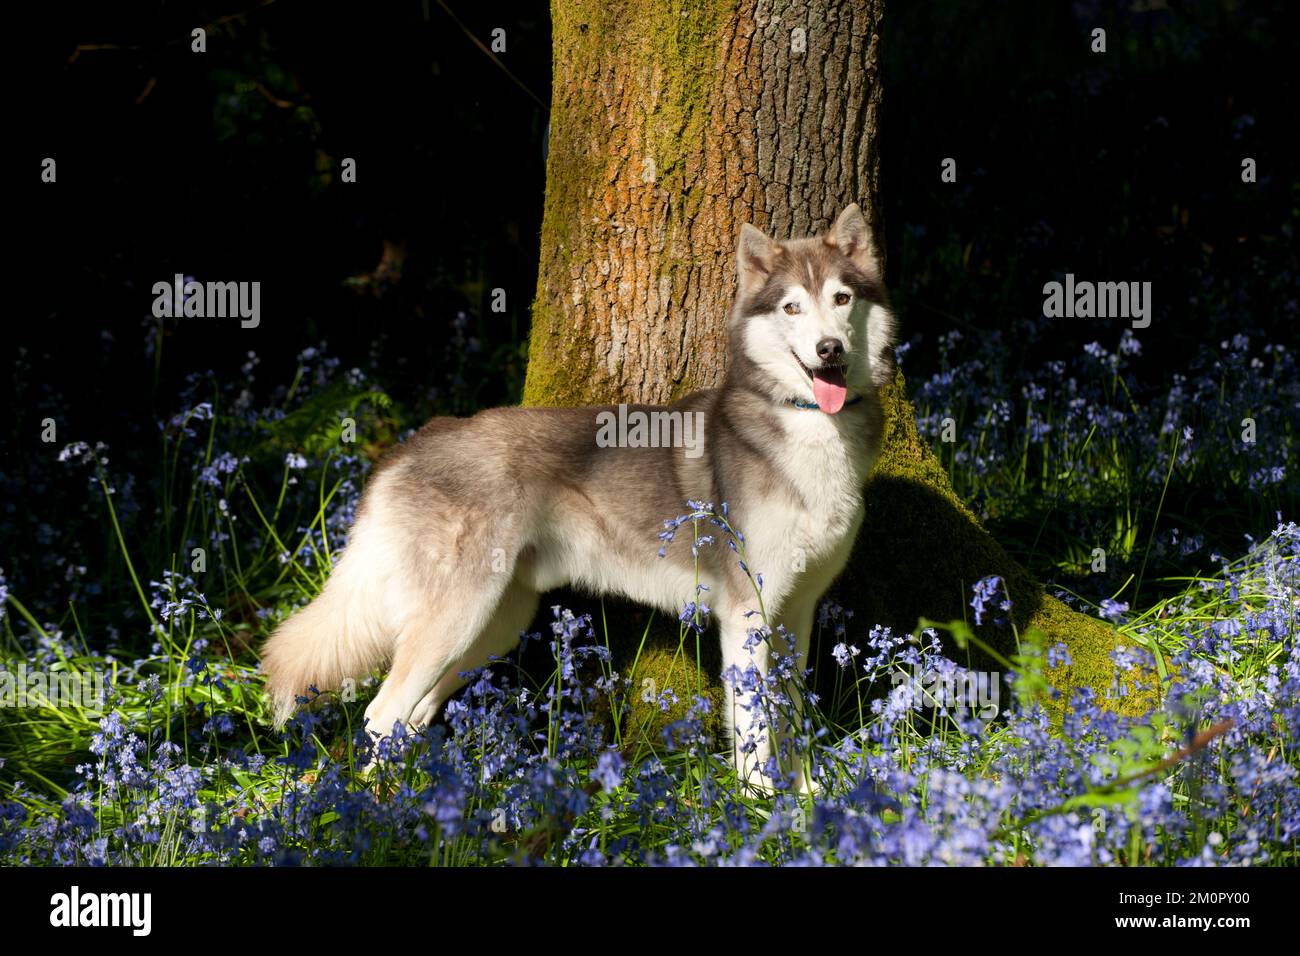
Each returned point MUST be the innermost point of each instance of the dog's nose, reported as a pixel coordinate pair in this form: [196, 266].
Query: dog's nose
[830, 350]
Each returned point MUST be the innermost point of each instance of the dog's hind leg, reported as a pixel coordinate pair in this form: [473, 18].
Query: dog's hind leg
[431, 642]
[514, 613]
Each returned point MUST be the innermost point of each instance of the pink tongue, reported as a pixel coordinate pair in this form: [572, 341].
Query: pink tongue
[829, 389]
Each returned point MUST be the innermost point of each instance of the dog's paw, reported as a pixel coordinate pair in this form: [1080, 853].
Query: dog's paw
[422, 716]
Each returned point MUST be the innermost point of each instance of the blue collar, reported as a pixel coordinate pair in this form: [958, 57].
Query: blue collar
[813, 405]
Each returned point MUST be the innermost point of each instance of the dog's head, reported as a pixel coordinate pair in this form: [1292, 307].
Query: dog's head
[811, 321]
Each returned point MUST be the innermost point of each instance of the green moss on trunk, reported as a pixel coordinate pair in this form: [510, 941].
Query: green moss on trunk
[921, 549]
[665, 683]
[633, 83]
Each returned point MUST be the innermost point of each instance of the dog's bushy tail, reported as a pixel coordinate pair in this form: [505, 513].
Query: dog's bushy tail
[338, 635]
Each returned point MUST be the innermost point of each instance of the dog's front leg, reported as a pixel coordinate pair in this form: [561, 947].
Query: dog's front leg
[747, 721]
[798, 620]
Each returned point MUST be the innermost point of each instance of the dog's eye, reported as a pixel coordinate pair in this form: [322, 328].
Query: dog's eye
[842, 298]
[791, 308]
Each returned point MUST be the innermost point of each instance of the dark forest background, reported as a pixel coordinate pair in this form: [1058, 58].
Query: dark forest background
[225, 166]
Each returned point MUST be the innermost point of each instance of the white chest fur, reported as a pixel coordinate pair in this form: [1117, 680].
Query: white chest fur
[800, 530]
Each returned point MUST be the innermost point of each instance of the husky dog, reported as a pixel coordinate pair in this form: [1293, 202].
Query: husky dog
[462, 527]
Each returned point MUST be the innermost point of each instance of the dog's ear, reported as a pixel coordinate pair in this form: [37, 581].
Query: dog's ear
[852, 236]
[756, 256]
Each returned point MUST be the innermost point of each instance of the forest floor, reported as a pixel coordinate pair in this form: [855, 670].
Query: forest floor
[135, 730]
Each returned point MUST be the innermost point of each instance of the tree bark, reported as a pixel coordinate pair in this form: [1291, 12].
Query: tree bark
[673, 124]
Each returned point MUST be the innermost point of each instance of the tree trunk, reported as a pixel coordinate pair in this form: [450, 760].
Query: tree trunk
[672, 125]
